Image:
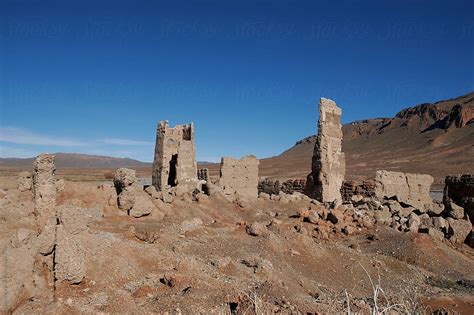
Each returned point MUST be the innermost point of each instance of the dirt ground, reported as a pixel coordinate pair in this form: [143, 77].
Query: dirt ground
[172, 264]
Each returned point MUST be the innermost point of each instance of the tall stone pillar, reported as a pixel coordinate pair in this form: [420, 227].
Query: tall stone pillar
[44, 189]
[329, 166]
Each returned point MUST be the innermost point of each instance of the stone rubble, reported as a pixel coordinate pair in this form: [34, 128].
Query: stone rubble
[130, 198]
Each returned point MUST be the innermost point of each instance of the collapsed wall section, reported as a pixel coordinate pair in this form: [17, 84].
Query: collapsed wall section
[240, 176]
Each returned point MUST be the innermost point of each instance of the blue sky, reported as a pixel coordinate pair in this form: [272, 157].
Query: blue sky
[96, 76]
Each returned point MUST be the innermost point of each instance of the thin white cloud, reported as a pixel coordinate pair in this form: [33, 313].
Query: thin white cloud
[23, 136]
[118, 141]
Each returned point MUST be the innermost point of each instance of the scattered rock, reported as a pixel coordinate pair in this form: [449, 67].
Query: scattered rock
[69, 257]
[313, 217]
[436, 234]
[436, 209]
[143, 206]
[455, 211]
[458, 230]
[348, 230]
[190, 225]
[151, 190]
[256, 229]
[126, 198]
[440, 224]
[414, 222]
[335, 216]
[144, 234]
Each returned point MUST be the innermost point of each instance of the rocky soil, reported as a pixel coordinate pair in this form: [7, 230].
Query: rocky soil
[194, 253]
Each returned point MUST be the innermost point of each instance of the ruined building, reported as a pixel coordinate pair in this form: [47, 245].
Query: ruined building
[175, 157]
[329, 166]
[239, 176]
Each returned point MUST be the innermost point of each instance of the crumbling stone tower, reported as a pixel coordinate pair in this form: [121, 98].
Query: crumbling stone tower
[175, 157]
[329, 165]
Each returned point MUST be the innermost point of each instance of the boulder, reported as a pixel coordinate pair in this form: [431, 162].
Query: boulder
[126, 198]
[72, 218]
[313, 217]
[335, 216]
[383, 216]
[69, 257]
[414, 222]
[440, 224]
[459, 230]
[264, 196]
[455, 211]
[153, 193]
[124, 177]
[143, 206]
[256, 229]
[436, 234]
[437, 208]
[425, 223]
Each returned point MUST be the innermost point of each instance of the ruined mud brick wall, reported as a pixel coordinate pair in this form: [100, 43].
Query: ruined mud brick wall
[268, 186]
[44, 188]
[409, 189]
[273, 187]
[351, 188]
[328, 165]
[203, 174]
[175, 157]
[460, 189]
[239, 176]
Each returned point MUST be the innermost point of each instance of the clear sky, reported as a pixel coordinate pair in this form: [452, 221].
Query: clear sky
[96, 76]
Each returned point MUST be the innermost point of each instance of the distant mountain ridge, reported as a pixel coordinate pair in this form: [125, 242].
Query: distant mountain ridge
[75, 160]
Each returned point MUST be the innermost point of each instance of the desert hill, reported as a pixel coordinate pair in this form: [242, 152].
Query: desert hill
[436, 139]
[75, 160]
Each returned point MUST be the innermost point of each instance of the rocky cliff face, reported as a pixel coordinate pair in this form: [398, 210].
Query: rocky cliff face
[455, 113]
